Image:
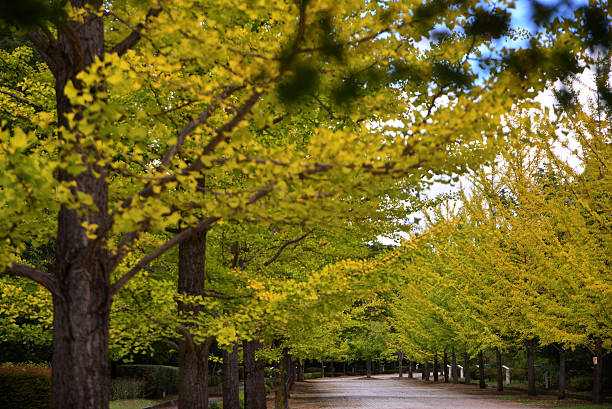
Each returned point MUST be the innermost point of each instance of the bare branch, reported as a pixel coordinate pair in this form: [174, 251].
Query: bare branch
[46, 280]
[131, 40]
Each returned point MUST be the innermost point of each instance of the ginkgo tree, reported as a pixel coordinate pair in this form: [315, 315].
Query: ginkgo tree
[153, 97]
[525, 258]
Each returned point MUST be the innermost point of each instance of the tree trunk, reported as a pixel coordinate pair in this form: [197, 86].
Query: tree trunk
[81, 306]
[454, 366]
[291, 375]
[481, 371]
[193, 374]
[322, 368]
[81, 302]
[425, 371]
[254, 378]
[500, 376]
[597, 370]
[435, 367]
[400, 361]
[281, 398]
[466, 369]
[300, 372]
[562, 372]
[80, 371]
[343, 368]
[369, 368]
[531, 386]
[193, 357]
[231, 382]
[332, 369]
[445, 367]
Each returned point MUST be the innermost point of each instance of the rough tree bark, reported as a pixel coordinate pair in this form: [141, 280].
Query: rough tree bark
[300, 372]
[193, 356]
[597, 371]
[281, 385]
[291, 375]
[369, 368]
[332, 369]
[400, 361]
[322, 368]
[562, 372]
[481, 372]
[531, 386]
[498, 364]
[254, 378]
[231, 381]
[410, 373]
[445, 367]
[425, 371]
[435, 367]
[454, 366]
[466, 368]
[82, 291]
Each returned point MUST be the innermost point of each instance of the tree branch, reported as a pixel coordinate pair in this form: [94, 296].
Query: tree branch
[193, 124]
[46, 280]
[131, 40]
[145, 261]
[46, 45]
[216, 294]
[22, 100]
[283, 247]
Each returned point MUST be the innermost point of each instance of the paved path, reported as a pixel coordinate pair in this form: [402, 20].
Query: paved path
[390, 392]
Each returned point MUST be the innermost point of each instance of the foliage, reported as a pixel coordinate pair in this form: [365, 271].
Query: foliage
[25, 387]
[278, 126]
[127, 388]
[159, 380]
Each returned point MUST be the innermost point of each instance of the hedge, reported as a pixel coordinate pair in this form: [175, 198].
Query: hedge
[23, 387]
[127, 388]
[159, 380]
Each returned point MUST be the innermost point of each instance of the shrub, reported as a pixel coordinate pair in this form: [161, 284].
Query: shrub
[214, 380]
[127, 388]
[159, 380]
[24, 387]
[489, 373]
[581, 383]
[517, 374]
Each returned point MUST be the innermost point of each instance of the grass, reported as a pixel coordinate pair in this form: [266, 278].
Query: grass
[556, 404]
[219, 403]
[133, 403]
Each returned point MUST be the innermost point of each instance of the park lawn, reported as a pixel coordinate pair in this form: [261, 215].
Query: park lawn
[131, 404]
[134, 403]
[556, 404]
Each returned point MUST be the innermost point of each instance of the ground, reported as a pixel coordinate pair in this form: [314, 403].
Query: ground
[390, 392]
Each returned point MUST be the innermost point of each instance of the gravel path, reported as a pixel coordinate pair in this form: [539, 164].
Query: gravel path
[390, 392]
